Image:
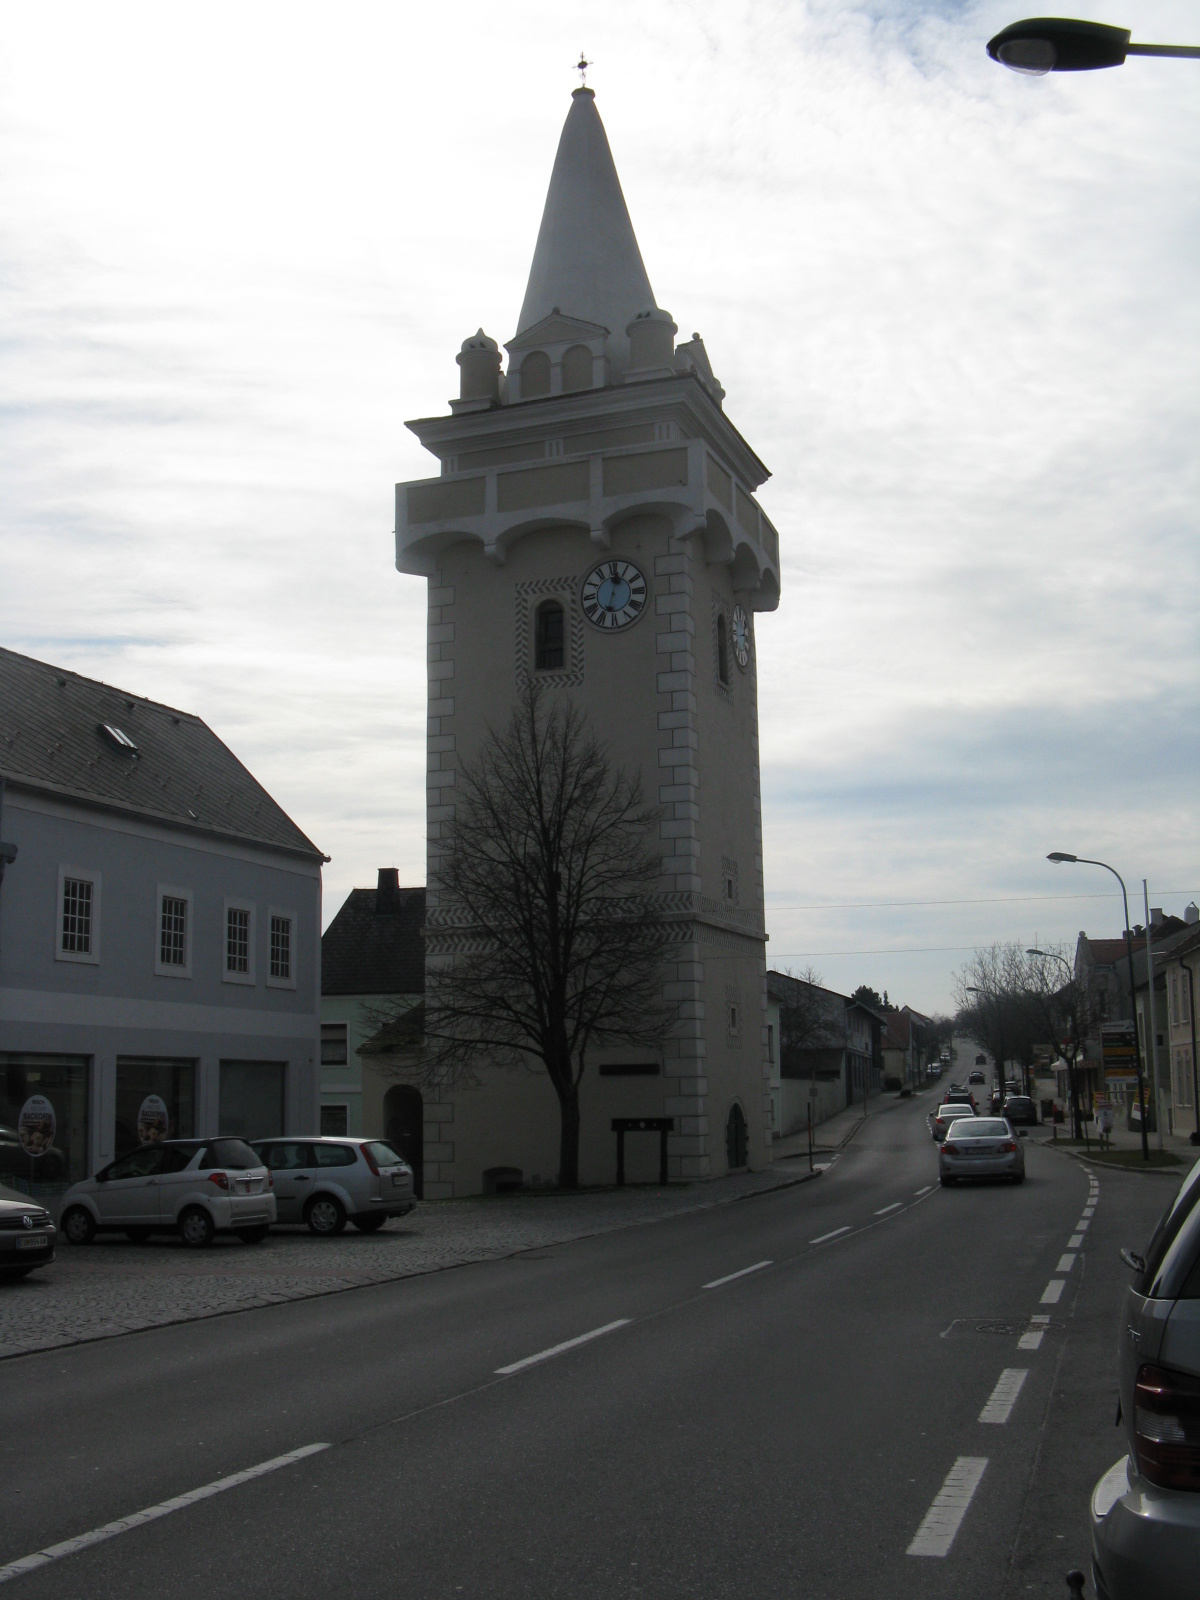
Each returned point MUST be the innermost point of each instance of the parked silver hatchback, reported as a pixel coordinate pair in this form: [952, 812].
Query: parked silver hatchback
[197, 1187]
[326, 1182]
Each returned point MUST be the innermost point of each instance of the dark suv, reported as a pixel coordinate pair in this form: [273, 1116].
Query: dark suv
[1019, 1108]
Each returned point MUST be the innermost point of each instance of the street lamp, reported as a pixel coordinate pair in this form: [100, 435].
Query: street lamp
[1061, 44]
[1058, 856]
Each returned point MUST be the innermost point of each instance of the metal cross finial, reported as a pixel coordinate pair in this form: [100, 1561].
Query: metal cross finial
[581, 67]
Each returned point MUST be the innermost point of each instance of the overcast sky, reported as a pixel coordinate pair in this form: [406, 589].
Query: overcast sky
[956, 311]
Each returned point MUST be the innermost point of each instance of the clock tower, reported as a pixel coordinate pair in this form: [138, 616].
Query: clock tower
[593, 526]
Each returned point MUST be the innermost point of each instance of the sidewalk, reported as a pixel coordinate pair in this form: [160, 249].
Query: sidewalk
[115, 1286]
[1124, 1145]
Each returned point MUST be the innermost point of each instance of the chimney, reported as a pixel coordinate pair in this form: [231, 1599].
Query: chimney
[1191, 912]
[387, 893]
[1156, 916]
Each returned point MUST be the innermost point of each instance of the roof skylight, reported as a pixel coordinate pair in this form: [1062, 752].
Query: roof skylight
[120, 738]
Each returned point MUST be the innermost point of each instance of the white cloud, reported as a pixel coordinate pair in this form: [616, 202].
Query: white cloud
[955, 311]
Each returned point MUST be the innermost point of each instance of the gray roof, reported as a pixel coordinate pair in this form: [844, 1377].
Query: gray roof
[587, 263]
[52, 740]
[376, 943]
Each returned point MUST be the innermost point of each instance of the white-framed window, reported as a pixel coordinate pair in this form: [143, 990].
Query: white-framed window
[237, 953]
[335, 1119]
[335, 1044]
[281, 948]
[173, 932]
[77, 916]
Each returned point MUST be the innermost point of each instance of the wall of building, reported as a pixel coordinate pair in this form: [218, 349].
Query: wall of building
[117, 1005]
[650, 691]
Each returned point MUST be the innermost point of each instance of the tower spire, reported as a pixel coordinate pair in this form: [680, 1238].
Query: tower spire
[587, 263]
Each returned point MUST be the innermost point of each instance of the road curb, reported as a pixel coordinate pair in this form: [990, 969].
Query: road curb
[1112, 1166]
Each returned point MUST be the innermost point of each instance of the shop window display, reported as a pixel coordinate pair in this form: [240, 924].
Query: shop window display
[156, 1099]
[43, 1122]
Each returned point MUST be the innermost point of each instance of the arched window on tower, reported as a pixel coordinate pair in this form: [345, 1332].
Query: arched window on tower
[535, 375]
[577, 368]
[549, 637]
[722, 649]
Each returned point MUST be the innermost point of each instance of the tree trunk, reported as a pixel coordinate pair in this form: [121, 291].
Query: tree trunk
[568, 1142]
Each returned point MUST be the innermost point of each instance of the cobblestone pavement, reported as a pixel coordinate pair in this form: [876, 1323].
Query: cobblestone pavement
[115, 1286]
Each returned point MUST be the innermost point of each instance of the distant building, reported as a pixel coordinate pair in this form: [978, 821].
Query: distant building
[824, 1049]
[372, 967]
[906, 1047]
[160, 957]
[1181, 961]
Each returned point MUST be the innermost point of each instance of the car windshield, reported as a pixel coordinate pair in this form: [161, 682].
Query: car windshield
[946, 1113]
[383, 1154]
[235, 1154]
[980, 1128]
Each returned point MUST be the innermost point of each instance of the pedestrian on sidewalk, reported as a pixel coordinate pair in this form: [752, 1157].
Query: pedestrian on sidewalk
[1104, 1126]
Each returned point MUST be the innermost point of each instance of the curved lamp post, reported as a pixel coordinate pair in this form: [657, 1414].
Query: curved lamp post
[1061, 44]
[1058, 856]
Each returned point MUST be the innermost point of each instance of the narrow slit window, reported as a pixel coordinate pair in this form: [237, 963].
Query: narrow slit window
[722, 649]
[550, 637]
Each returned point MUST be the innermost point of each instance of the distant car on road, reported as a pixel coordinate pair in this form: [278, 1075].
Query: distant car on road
[27, 1235]
[957, 1096]
[983, 1147]
[1145, 1510]
[328, 1181]
[935, 1070]
[946, 1115]
[1020, 1109]
[195, 1187]
[976, 1076]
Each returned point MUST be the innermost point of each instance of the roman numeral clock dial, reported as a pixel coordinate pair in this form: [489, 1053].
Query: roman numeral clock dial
[614, 594]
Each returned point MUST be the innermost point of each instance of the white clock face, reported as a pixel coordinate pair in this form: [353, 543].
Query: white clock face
[614, 594]
[741, 638]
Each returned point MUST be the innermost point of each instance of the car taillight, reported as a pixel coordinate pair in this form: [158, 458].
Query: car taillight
[369, 1158]
[270, 1181]
[220, 1179]
[1167, 1428]
[1010, 1145]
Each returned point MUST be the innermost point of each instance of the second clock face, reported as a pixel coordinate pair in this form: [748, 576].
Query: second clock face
[614, 594]
[741, 638]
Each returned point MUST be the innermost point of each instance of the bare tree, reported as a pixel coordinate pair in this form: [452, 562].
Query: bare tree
[989, 992]
[545, 883]
[1061, 1002]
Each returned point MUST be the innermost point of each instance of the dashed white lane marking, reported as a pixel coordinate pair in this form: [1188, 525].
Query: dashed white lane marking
[557, 1349]
[1082, 1225]
[1052, 1293]
[1074, 1242]
[1031, 1340]
[928, 1189]
[832, 1235]
[1004, 1396]
[1089, 1211]
[883, 1210]
[730, 1276]
[944, 1517]
[82, 1541]
[1065, 1263]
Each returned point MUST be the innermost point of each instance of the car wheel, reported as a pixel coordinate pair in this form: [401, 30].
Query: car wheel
[196, 1228]
[325, 1215]
[138, 1235]
[371, 1223]
[252, 1235]
[79, 1226]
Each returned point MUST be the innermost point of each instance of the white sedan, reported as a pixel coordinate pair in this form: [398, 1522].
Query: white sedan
[980, 1147]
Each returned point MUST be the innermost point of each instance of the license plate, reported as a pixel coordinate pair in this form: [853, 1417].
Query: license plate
[34, 1241]
[398, 1178]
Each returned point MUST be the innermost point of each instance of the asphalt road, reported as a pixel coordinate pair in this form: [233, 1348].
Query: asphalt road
[783, 1432]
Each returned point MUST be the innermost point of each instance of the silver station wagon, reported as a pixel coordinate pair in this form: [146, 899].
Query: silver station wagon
[196, 1187]
[326, 1182]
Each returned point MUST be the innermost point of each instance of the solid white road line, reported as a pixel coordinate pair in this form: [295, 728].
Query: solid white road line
[557, 1349]
[835, 1234]
[883, 1210]
[1004, 1396]
[68, 1547]
[1065, 1263]
[1074, 1242]
[928, 1189]
[1032, 1340]
[730, 1276]
[1052, 1293]
[944, 1517]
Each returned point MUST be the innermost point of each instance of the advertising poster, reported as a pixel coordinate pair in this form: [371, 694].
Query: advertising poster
[36, 1125]
[153, 1120]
